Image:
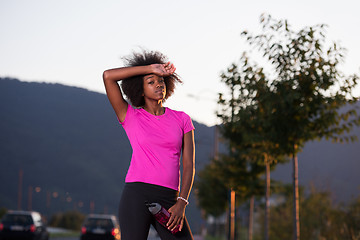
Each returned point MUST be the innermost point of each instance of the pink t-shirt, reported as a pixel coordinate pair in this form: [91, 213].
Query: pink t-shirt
[156, 142]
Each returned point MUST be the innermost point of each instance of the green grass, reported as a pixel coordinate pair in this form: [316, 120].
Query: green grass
[214, 238]
[65, 234]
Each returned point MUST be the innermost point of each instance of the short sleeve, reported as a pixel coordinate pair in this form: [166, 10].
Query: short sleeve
[188, 124]
[129, 114]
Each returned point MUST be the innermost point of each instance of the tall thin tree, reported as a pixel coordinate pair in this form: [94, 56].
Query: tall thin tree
[313, 98]
[246, 114]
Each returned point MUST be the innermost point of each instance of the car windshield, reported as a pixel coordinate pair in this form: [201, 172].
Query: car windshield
[17, 219]
[98, 222]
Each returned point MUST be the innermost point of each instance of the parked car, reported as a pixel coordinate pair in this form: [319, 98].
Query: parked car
[25, 225]
[100, 226]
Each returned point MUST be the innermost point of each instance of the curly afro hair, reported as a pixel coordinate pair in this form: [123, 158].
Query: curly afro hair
[133, 87]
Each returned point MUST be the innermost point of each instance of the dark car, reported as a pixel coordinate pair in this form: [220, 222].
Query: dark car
[100, 226]
[23, 225]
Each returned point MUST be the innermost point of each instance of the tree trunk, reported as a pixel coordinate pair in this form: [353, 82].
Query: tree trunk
[231, 234]
[296, 196]
[267, 199]
[251, 218]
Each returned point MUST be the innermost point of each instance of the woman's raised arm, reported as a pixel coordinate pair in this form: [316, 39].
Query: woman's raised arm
[113, 92]
[112, 76]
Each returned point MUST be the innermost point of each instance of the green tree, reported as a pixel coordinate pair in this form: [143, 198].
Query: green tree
[243, 177]
[3, 211]
[280, 215]
[321, 218]
[211, 194]
[310, 91]
[224, 173]
[211, 191]
[69, 220]
[247, 116]
[351, 221]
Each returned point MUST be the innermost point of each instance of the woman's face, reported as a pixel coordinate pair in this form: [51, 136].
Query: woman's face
[154, 87]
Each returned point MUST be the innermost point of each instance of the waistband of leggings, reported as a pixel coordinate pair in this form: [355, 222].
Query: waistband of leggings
[141, 186]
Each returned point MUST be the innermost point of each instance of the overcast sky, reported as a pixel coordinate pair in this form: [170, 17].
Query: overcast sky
[73, 41]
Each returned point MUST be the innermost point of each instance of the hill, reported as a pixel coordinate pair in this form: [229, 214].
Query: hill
[69, 145]
[74, 154]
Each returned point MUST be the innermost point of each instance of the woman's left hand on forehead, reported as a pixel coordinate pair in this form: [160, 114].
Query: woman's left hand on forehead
[163, 70]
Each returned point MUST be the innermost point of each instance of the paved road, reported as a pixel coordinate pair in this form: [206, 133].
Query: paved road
[72, 238]
[152, 238]
[68, 238]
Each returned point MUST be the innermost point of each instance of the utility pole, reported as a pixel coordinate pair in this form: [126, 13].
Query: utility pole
[92, 206]
[216, 142]
[21, 173]
[30, 190]
[48, 199]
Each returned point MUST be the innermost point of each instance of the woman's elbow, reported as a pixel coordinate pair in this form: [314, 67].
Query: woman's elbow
[106, 75]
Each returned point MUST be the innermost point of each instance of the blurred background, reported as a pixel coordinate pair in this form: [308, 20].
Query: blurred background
[73, 42]
[62, 150]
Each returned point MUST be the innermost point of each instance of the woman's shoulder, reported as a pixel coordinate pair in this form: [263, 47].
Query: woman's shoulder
[184, 119]
[177, 112]
[131, 113]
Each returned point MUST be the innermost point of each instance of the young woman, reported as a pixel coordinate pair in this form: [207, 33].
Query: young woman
[158, 137]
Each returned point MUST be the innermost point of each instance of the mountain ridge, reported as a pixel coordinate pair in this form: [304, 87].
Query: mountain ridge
[67, 141]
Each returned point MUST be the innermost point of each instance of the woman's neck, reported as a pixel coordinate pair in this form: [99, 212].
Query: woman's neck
[155, 108]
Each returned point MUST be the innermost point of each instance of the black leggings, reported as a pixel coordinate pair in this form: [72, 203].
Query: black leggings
[135, 218]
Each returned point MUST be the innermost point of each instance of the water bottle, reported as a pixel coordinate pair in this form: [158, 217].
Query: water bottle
[161, 215]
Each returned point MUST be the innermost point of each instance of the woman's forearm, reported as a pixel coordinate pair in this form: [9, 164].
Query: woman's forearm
[188, 165]
[187, 181]
[118, 74]
[111, 77]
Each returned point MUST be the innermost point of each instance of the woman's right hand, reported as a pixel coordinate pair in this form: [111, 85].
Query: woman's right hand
[163, 70]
